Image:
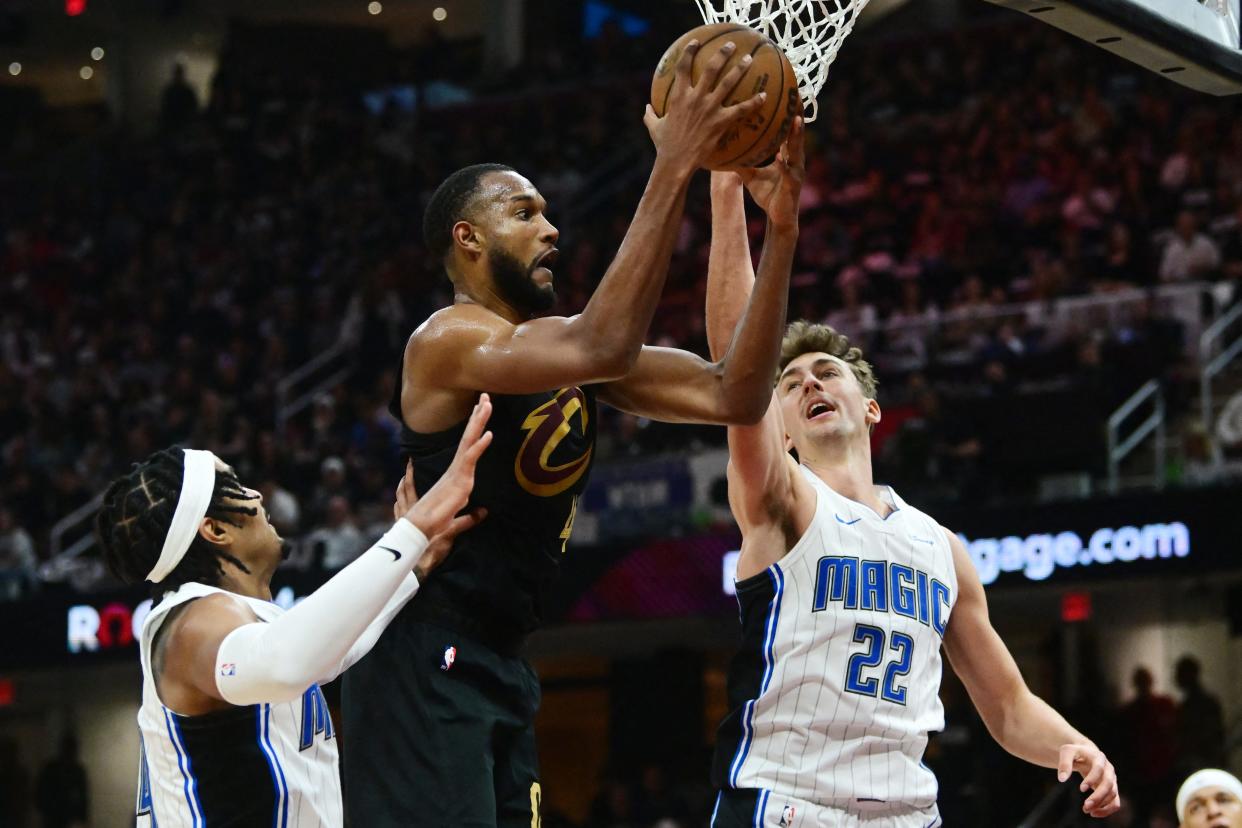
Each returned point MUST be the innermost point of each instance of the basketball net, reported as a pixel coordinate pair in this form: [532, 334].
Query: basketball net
[809, 32]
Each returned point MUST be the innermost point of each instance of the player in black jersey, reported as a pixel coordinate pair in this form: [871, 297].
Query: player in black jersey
[439, 718]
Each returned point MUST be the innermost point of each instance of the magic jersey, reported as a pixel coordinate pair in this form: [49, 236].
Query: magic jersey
[835, 688]
[258, 765]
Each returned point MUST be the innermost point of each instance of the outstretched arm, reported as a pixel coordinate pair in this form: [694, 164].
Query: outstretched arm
[438, 547]
[472, 352]
[1021, 722]
[675, 386]
[223, 653]
[770, 500]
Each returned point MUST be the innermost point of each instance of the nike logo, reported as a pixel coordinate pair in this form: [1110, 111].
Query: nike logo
[396, 556]
[845, 522]
[921, 540]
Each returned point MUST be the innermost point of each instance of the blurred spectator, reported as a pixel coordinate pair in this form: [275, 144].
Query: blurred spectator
[1149, 720]
[1229, 427]
[1200, 721]
[339, 540]
[1189, 254]
[1228, 231]
[62, 791]
[179, 104]
[282, 507]
[18, 562]
[332, 484]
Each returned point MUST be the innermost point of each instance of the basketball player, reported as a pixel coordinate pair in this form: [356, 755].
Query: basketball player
[235, 730]
[846, 595]
[450, 740]
[1210, 799]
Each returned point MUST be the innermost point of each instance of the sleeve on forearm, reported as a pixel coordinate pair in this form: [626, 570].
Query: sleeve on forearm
[407, 590]
[277, 661]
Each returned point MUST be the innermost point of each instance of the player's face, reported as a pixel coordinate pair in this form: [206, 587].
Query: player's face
[256, 539]
[521, 242]
[1213, 807]
[820, 398]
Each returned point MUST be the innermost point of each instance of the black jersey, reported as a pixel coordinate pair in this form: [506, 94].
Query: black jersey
[496, 579]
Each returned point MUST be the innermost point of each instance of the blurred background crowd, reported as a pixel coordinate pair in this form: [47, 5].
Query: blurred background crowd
[1018, 229]
[159, 290]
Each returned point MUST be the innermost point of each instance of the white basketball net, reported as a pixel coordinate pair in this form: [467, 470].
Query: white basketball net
[809, 31]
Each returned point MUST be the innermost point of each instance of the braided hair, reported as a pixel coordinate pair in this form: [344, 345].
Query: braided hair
[137, 512]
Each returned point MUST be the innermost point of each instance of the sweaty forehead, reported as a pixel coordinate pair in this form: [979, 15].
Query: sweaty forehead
[501, 187]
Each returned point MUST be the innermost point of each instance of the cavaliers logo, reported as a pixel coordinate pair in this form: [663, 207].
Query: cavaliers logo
[545, 428]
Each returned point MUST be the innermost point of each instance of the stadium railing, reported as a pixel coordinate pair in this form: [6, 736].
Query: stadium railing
[1220, 345]
[1119, 449]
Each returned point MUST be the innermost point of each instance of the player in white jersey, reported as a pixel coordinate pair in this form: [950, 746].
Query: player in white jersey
[235, 730]
[847, 594]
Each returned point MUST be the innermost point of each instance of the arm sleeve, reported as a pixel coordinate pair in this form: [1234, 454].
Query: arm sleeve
[277, 661]
[407, 590]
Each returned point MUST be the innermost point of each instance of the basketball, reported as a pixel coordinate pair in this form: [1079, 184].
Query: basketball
[753, 140]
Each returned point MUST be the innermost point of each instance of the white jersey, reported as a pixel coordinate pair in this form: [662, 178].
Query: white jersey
[262, 764]
[835, 689]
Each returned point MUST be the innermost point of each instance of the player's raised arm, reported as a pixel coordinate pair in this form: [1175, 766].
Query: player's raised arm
[1021, 722]
[675, 386]
[512, 352]
[223, 652]
[764, 486]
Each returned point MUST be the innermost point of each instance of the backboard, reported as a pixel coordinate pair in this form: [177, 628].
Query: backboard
[1193, 42]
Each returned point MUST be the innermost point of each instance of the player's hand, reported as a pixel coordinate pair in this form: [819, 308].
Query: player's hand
[696, 115]
[1098, 777]
[436, 513]
[777, 187]
[439, 546]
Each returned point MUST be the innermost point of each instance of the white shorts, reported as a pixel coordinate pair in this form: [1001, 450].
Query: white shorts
[769, 809]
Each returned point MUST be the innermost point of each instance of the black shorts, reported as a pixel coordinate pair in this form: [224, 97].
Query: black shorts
[439, 730]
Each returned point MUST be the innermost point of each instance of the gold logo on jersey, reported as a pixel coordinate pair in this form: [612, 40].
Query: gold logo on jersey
[546, 427]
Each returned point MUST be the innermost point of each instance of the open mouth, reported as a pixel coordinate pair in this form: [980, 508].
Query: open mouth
[819, 409]
[548, 260]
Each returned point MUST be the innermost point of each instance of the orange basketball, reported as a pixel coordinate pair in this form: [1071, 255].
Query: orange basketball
[750, 141]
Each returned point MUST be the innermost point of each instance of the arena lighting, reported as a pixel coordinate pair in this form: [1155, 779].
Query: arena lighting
[374, 7]
[1076, 607]
[439, 14]
[73, 8]
[15, 68]
[97, 53]
[86, 73]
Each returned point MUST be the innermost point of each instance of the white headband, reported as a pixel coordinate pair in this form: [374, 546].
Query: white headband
[1210, 778]
[197, 483]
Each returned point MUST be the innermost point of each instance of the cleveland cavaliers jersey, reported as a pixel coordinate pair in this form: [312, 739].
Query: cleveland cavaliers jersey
[501, 571]
[835, 688]
[258, 765]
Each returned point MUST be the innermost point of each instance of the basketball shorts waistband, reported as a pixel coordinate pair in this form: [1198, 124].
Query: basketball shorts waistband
[757, 808]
